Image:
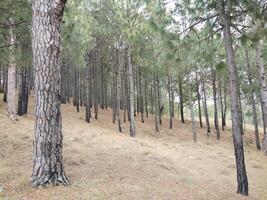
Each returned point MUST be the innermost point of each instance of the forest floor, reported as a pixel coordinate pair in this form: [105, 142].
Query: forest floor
[103, 164]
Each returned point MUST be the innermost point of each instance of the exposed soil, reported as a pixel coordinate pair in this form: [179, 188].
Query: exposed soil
[104, 164]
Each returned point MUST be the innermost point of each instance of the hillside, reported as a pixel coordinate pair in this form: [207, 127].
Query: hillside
[102, 164]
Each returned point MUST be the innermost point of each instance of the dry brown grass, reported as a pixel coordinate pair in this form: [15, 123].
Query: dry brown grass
[103, 164]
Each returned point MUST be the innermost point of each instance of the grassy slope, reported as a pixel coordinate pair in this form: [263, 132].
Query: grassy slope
[103, 164]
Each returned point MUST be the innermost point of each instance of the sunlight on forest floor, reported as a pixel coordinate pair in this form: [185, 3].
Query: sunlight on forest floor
[102, 164]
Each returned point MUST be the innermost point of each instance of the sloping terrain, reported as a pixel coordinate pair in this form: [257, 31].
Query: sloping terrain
[104, 164]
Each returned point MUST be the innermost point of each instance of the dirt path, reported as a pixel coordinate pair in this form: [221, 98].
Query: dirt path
[103, 164]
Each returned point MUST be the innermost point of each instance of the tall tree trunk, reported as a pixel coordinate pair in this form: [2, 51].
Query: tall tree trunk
[216, 123]
[160, 108]
[95, 79]
[181, 99]
[11, 85]
[221, 103]
[199, 104]
[263, 92]
[5, 85]
[225, 13]
[131, 93]
[156, 106]
[146, 106]
[88, 92]
[205, 107]
[119, 91]
[170, 103]
[141, 102]
[23, 93]
[194, 131]
[225, 105]
[47, 152]
[77, 89]
[252, 99]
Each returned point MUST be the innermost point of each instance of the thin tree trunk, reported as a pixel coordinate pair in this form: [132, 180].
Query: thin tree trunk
[47, 155]
[181, 99]
[23, 93]
[221, 102]
[216, 123]
[5, 85]
[199, 104]
[194, 131]
[252, 99]
[205, 108]
[160, 108]
[156, 106]
[141, 102]
[119, 90]
[146, 107]
[263, 92]
[170, 104]
[88, 92]
[225, 13]
[131, 93]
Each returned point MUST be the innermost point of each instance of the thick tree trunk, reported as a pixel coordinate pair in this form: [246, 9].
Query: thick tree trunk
[11, 85]
[131, 93]
[253, 103]
[47, 152]
[225, 13]
[263, 92]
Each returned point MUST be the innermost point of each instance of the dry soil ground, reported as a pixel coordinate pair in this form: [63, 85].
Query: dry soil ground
[103, 164]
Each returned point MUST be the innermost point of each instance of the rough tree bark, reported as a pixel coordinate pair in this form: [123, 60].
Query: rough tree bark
[225, 13]
[48, 165]
[11, 84]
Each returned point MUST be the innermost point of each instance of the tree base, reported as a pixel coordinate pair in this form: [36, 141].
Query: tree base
[50, 179]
